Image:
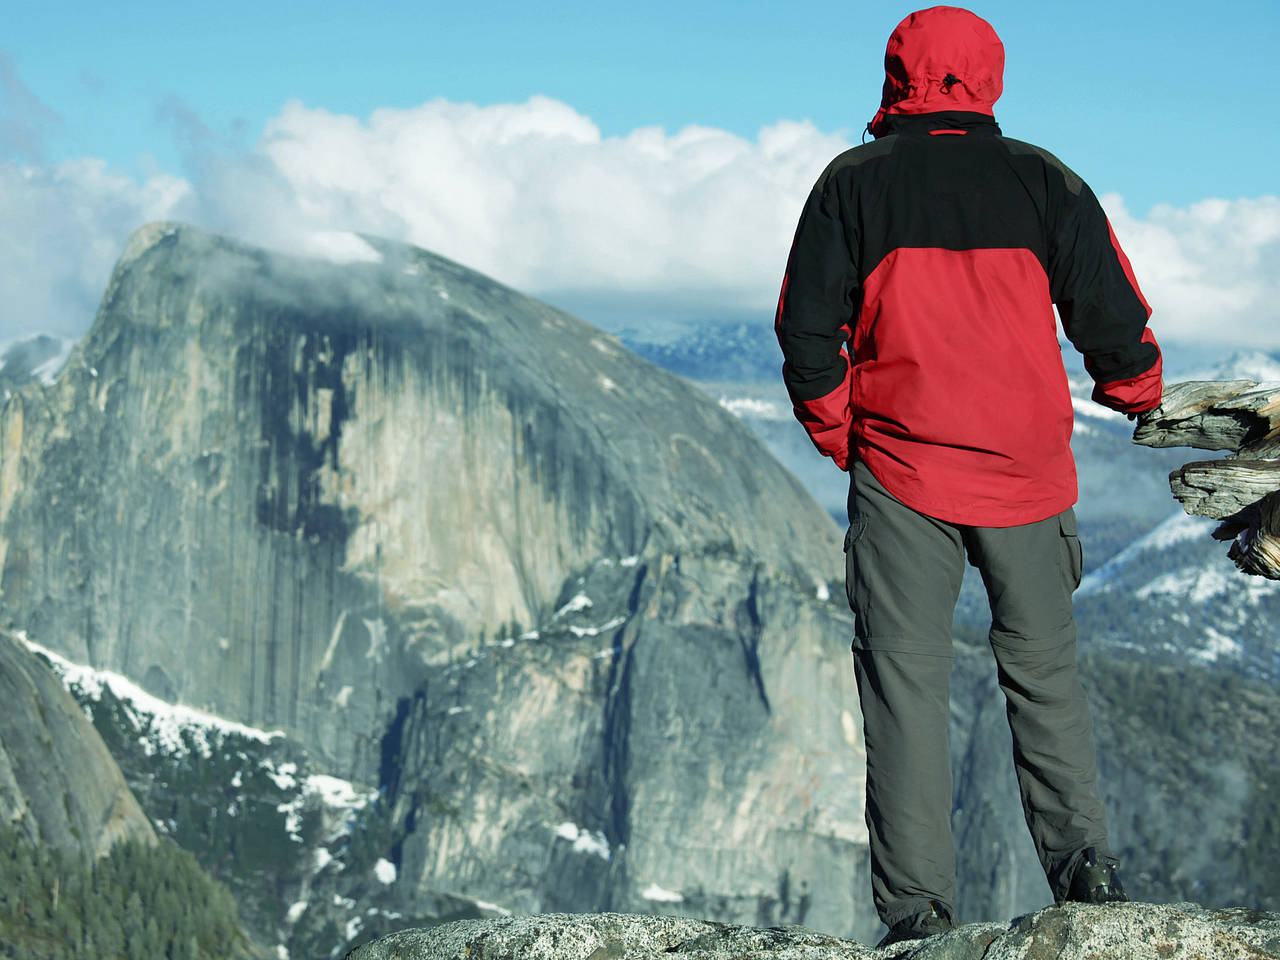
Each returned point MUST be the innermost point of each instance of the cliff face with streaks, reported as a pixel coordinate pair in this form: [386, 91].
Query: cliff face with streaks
[564, 616]
[581, 628]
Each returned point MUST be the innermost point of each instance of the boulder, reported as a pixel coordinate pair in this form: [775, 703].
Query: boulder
[1074, 931]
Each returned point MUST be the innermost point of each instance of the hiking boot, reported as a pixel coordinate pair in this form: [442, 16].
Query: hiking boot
[926, 923]
[1095, 880]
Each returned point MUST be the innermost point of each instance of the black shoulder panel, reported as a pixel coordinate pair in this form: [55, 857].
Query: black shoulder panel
[857, 156]
[1069, 176]
[950, 191]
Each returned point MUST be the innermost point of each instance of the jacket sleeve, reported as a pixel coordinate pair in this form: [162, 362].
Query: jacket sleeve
[815, 311]
[1104, 313]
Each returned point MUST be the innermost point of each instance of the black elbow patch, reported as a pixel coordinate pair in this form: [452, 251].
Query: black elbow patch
[1122, 363]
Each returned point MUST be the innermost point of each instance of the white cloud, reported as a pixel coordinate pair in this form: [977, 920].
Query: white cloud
[534, 195]
[61, 230]
[1207, 270]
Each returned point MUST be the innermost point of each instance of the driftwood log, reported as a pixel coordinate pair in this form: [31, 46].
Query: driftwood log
[1243, 489]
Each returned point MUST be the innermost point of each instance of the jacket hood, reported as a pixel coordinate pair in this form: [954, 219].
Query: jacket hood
[942, 58]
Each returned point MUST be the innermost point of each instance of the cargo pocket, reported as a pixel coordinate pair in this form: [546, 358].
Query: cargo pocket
[857, 527]
[1070, 532]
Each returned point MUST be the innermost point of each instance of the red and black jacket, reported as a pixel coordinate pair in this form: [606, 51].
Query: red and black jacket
[916, 317]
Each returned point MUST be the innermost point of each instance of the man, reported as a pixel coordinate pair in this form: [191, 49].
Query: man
[916, 320]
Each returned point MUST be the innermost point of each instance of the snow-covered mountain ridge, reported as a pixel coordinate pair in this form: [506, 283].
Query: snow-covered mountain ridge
[247, 802]
[1157, 584]
[1173, 595]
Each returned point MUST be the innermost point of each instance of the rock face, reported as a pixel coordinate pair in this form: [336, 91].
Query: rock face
[560, 612]
[1186, 770]
[1072, 932]
[565, 610]
[58, 783]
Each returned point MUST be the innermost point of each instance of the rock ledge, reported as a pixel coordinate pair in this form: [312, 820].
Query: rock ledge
[1135, 931]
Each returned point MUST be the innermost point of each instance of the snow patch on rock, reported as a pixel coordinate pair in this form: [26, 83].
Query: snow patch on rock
[584, 840]
[661, 894]
[168, 720]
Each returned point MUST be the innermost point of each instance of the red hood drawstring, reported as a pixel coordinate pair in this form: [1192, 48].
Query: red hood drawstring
[942, 58]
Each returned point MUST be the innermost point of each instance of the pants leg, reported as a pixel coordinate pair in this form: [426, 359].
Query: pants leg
[903, 573]
[1030, 573]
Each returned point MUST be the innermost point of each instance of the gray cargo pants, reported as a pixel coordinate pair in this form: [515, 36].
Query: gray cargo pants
[902, 575]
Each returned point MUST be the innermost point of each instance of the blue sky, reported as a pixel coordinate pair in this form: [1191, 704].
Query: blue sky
[655, 151]
[1167, 103]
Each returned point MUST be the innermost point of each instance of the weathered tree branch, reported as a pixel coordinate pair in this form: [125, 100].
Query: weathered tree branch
[1256, 549]
[1223, 488]
[1215, 415]
[1242, 490]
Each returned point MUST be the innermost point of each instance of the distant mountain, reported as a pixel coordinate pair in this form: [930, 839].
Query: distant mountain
[58, 783]
[303, 852]
[1171, 633]
[562, 609]
[723, 350]
[1124, 490]
[1260, 365]
[720, 338]
[400, 596]
[1173, 596]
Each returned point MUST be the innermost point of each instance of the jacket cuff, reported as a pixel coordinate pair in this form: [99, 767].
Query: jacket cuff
[1136, 394]
[828, 421]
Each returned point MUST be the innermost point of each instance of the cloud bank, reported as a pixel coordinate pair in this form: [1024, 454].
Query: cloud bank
[1207, 270]
[61, 230]
[534, 195]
